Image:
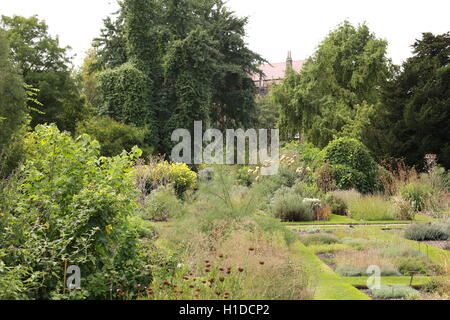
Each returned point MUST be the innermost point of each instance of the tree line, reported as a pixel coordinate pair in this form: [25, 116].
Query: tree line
[161, 65]
[350, 88]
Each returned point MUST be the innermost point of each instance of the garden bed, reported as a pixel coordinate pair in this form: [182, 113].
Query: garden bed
[349, 251]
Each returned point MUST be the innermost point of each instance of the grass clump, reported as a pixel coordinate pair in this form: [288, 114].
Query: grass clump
[162, 205]
[417, 265]
[371, 208]
[417, 193]
[439, 286]
[327, 248]
[396, 251]
[321, 238]
[352, 271]
[394, 292]
[404, 210]
[432, 231]
[290, 207]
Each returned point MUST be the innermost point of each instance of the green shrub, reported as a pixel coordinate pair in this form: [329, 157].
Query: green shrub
[69, 204]
[416, 265]
[394, 292]
[287, 176]
[290, 207]
[178, 174]
[430, 231]
[439, 285]
[161, 205]
[338, 206]
[322, 238]
[352, 165]
[371, 208]
[417, 193]
[306, 190]
[114, 137]
[347, 178]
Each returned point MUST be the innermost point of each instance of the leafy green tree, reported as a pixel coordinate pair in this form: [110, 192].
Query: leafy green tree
[189, 65]
[126, 99]
[44, 66]
[268, 112]
[341, 78]
[414, 117]
[194, 61]
[89, 82]
[12, 95]
[68, 204]
[13, 111]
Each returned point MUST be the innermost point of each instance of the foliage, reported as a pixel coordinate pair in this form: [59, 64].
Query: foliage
[403, 209]
[67, 204]
[161, 205]
[413, 118]
[338, 206]
[324, 179]
[162, 173]
[89, 81]
[194, 68]
[417, 193]
[114, 137]
[352, 165]
[371, 208]
[350, 271]
[322, 238]
[124, 94]
[439, 285]
[291, 207]
[415, 265]
[395, 292]
[13, 111]
[434, 231]
[268, 112]
[12, 92]
[44, 66]
[338, 87]
[246, 254]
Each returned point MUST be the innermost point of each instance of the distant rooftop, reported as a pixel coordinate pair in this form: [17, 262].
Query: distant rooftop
[277, 71]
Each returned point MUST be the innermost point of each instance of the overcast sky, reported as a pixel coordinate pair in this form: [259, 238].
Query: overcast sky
[275, 26]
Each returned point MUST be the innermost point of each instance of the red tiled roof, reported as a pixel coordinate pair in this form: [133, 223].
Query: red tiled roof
[277, 71]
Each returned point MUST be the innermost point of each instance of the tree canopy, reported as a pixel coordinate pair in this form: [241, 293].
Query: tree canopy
[414, 117]
[45, 66]
[192, 59]
[12, 93]
[337, 87]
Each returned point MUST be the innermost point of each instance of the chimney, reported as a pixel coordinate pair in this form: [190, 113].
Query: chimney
[289, 61]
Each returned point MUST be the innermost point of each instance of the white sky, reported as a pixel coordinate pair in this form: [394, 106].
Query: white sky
[275, 26]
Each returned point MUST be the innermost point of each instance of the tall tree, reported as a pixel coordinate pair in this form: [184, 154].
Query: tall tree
[12, 95]
[414, 118]
[339, 83]
[194, 61]
[45, 66]
[13, 111]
